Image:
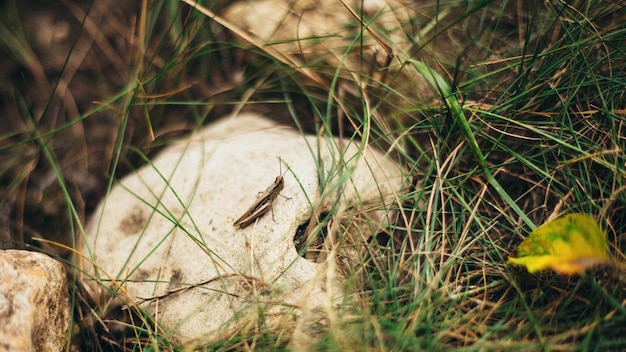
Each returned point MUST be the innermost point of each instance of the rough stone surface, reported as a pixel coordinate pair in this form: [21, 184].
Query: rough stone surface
[166, 233]
[34, 302]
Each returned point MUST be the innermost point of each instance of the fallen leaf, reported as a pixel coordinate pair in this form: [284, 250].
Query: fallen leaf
[567, 245]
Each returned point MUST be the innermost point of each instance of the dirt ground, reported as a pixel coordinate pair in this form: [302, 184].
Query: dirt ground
[57, 72]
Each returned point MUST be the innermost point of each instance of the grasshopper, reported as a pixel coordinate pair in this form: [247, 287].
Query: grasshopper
[263, 203]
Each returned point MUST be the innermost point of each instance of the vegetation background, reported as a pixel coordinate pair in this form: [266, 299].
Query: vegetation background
[503, 114]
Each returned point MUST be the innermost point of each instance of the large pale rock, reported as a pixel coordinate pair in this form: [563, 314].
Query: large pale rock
[166, 233]
[34, 302]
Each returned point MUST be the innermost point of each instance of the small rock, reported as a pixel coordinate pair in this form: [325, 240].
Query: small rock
[34, 302]
[326, 29]
[166, 233]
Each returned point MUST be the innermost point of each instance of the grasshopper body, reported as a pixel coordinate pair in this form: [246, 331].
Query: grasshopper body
[263, 204]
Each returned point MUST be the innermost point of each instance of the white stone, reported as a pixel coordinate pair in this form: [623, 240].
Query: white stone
[34, 302]
[170, 225]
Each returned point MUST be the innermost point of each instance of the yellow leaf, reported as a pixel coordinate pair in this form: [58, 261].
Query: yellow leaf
[567, 245]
